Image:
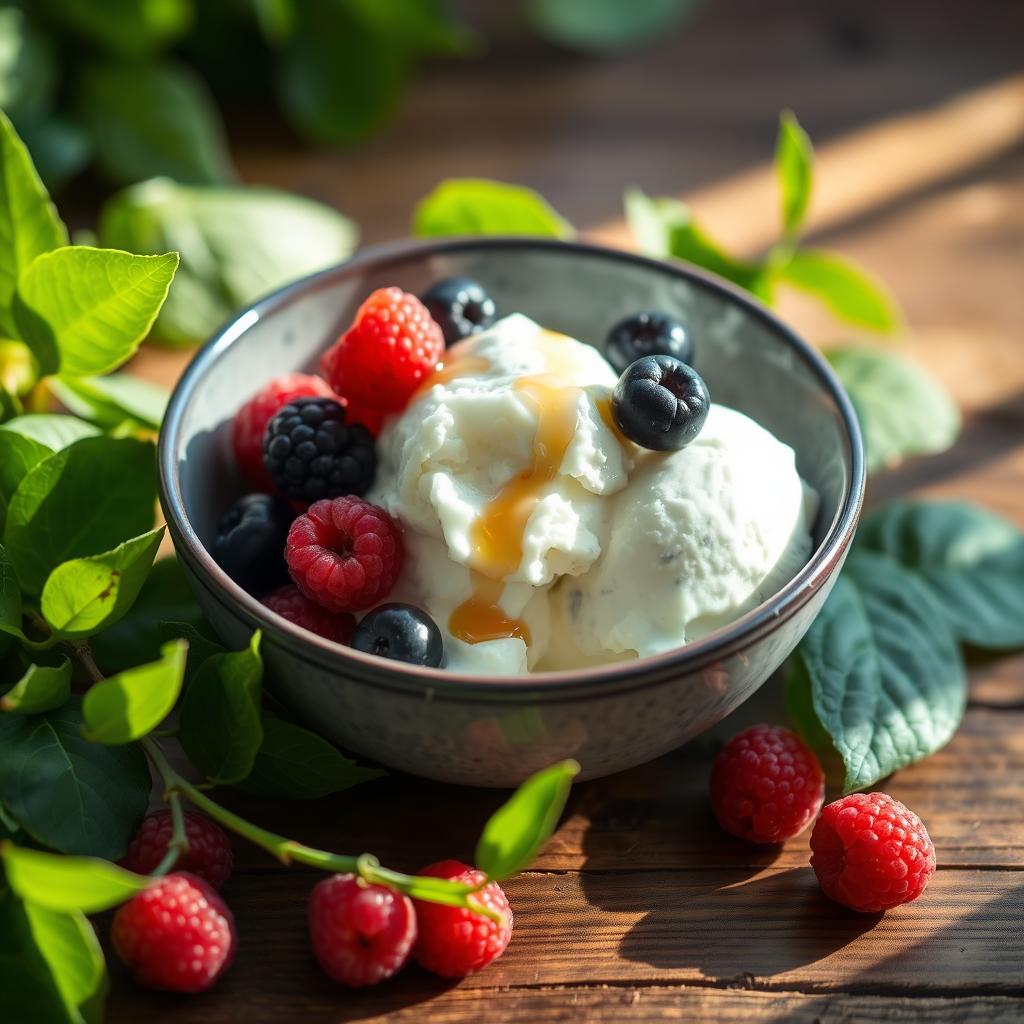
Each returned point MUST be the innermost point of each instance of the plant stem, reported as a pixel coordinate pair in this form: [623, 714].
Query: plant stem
[83, 652]
[178, 844]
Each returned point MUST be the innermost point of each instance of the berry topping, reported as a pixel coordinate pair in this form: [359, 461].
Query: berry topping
[250, 541]
[310, 453]
[250, 422]
[209, 849]
[344, 553]
[647, 334]
[400, 632]
[175, 934]
[360, 933]
[456, 941]
[290, 603]
[766, 785]
[660, 403]
[391, 348]
[871, 853]
[460, 307]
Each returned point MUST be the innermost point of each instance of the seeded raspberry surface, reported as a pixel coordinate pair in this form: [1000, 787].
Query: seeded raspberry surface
[209, 849]
[290, 603]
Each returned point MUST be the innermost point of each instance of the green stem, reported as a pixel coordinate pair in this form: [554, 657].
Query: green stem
[178, 843]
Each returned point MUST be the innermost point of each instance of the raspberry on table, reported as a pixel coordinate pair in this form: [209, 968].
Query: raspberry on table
[766, 785]
[250, 422]
[344, 553]
[456, 941]
[870, 852]
[290, 603]
[391, 348]
[360, 933]
[209, 849]
[175, 934]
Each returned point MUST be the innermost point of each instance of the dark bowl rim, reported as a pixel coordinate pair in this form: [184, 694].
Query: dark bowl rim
[617, 676]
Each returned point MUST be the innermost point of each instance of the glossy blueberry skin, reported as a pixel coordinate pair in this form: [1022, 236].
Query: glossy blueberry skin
[651, 333]
[250, 542]
[660, 403]
[401, 632]
[460, 306]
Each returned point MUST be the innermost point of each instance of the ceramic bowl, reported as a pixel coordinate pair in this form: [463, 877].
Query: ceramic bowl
[494, 731]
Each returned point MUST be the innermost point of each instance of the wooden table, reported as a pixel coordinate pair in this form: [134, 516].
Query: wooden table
[641, 908]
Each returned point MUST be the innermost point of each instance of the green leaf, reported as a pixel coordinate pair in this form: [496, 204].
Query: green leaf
[220, 715]
[125, 27]
[296, 764]
[236, 244]
[10, 597]
[971, 560]
[846, 290]
[41, 688]
[902, 409]
[151, 119]
[114, 400]
[84, 311]
[133, 703]
[202, 644]
[520, 827]
[606, 25]
[28, 67]
[29, 224]
[887, 680]
[84, 499]
[26, 440]
[67, 793]
[794, 167]
[276, 18]
[85, 595]
[477, 206]
[68, 883]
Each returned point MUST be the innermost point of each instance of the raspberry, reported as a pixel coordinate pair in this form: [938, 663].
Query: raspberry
[455, 941]
[250, 422]
[360, 933]
[344, 553]
[209, 849]
[871, 853]
[176, 934]
[766, 785]
[290, 603]
[392, 346]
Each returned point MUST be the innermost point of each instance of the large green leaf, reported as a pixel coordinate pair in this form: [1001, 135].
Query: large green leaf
[10, 597]
[41, 688]
[113, 400]
[130, 28]
[971, 560]
[67, 793]
[27, 440]
[606, 25]
[86, 498]
[794, 167]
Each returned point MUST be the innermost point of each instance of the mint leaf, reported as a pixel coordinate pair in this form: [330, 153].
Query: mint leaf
[971, 560]
[520, 827]
[125, 27]
[87, 498]
[27, 440]
[887, 680]
[67, 793]
[603, 26]
[41, 688]
[477, 206]
[848, 292]
[220, 715]
[10, 597]
[902, 409]
[84, 311]
[29, 224]
[68, 883]
[133, 703]
[794, 167]
[113, 401]
[296, 764]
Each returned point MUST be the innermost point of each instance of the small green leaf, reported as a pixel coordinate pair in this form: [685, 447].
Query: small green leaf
[124, 27]
[971, 560]
[520, 827]
[29, 224]
[794, 167]
[10, 597]
[202, 644]
[86, 310]
[902, 409]
[26, 440]
[113, 400]
[603, 26]
[220, 715]
[68, 883]
[41, 688]
[477, 206]
[846, 290]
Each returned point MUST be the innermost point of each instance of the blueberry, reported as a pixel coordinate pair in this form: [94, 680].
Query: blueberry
[460, 306]
[647, 334]
[250, 542]
[660, 403]
[400, 632]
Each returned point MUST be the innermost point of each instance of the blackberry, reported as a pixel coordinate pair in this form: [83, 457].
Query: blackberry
[660, 403]
[460, 306]
[311, 453]
[250, 542]
[651, 333]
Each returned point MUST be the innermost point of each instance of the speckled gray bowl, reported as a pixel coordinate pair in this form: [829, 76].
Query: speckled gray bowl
[492, 731]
